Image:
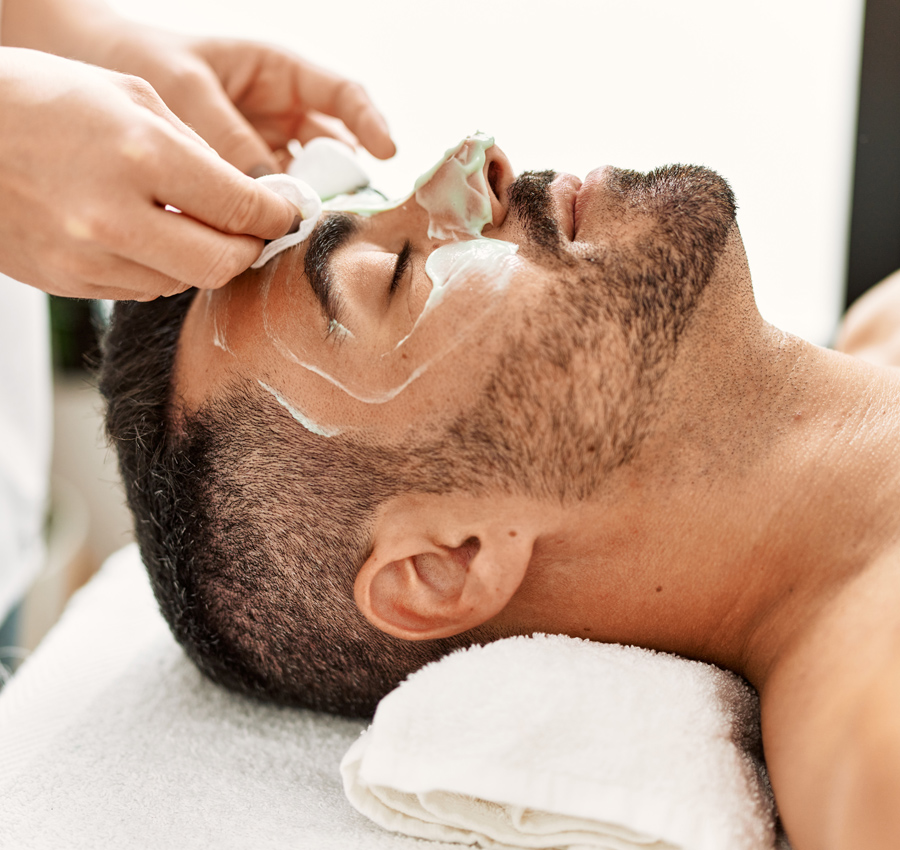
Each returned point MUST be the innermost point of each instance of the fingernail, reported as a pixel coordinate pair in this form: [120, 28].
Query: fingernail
[260, 171]
[295, 226]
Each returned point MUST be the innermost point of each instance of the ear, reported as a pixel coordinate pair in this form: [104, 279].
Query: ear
[442, 565]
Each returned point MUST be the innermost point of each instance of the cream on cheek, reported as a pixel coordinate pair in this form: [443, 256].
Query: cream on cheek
[305, 421]
[454, 266]
[469, 278]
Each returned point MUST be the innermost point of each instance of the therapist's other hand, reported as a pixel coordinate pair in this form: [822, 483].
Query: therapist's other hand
[89, 159]
[246, 99]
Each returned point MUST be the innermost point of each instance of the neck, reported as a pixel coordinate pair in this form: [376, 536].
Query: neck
[733, 529]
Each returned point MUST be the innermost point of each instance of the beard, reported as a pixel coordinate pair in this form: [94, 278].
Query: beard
[581, 380]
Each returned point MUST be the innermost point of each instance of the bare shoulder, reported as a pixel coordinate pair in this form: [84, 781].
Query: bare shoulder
[831, 719]
[871, 328]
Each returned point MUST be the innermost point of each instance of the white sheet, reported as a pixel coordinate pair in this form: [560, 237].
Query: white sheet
[110, 738]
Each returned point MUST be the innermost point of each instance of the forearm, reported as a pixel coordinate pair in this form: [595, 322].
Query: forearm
[74, 29]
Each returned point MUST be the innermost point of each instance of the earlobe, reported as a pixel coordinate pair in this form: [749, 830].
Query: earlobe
[453, 578]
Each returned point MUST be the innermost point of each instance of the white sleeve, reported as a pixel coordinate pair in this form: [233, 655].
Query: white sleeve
[25, 436]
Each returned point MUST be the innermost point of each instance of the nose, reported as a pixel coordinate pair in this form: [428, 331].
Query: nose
[498, 176]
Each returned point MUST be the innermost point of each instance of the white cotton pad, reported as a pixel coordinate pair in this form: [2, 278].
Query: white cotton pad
[308, 204]
[329, 166]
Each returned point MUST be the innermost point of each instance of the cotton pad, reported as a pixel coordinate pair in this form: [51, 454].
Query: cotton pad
[329, 166]
[320, 169]
[308, 204]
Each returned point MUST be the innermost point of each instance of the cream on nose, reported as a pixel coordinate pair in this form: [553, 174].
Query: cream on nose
[455, 193]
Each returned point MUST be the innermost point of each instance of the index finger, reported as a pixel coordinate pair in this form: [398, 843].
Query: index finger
[344, 99]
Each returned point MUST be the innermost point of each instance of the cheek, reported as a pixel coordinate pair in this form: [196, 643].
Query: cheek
[350, 380]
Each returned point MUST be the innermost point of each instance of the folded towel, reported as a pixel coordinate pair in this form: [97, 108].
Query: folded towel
[556, 742]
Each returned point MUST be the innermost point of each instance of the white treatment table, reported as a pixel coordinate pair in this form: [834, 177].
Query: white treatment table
[111, 738]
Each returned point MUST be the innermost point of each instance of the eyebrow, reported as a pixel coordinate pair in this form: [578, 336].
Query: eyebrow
[329, 235]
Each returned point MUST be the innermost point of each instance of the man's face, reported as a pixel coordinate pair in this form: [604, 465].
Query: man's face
[573, 297]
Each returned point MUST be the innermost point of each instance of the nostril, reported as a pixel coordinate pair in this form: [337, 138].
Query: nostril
[493, 175]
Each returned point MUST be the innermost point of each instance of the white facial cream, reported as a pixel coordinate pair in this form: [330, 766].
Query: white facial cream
[453, 192]
[456, 196]
[305, 421]
[453, 264]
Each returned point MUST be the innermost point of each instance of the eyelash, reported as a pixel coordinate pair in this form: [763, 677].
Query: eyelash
[403, 259]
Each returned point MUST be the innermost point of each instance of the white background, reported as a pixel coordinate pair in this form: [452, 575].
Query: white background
[764, 92]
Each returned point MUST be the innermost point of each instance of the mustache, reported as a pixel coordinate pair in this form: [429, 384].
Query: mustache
[530, 201]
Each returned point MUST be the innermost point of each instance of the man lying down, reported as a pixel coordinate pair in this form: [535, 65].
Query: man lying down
[509, 405]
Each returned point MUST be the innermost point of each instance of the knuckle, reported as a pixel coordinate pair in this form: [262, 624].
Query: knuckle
[241, 211]
[351, 96]
[221, 269]
[79, 227]
[93, 226]
[139, 89]
[190, 77]
[173, 287]
[97, 227]
[140, 144]
[182, 82]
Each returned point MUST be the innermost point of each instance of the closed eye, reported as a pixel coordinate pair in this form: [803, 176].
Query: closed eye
[403, 259]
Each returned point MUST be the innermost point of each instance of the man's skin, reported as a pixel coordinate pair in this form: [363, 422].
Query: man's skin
[757, 527]
[871, 328]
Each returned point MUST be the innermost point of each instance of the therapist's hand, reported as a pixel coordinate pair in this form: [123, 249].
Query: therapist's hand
[246, 99]
[89, 159]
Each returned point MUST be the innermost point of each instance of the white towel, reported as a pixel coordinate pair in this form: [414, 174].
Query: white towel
[556, 742]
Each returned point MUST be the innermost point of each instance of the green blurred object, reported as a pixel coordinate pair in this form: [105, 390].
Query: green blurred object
[73, 334]
[11, 653]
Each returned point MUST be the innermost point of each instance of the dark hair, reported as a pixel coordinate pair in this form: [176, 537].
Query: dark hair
[252, 529]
